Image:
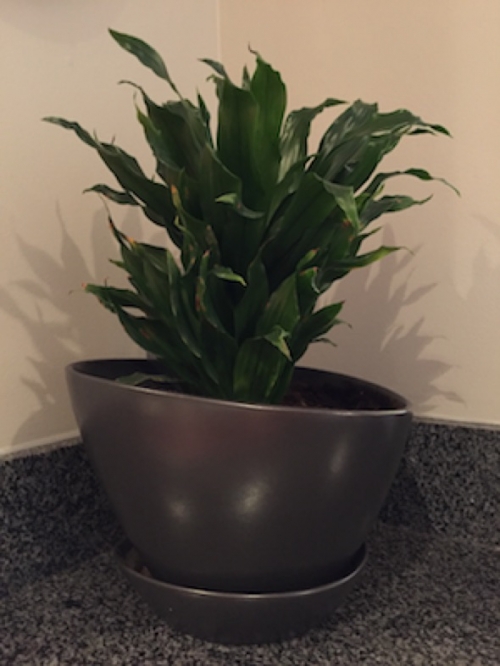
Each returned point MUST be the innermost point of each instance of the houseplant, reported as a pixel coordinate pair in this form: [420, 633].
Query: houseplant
[227, 472]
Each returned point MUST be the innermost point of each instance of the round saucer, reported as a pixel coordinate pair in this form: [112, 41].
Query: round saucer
[237, 618]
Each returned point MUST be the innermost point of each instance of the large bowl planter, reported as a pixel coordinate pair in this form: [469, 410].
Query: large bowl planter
[239, 498]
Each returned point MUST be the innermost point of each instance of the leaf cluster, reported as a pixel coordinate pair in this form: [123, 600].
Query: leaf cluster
[262, 227]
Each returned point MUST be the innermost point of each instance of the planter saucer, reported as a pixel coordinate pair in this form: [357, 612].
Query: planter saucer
[238, 618]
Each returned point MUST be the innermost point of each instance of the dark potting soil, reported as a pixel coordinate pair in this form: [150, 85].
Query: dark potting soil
[322, 395]
[330, 396]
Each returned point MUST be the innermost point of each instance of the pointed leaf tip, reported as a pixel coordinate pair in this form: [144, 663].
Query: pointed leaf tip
[146, 54]
[218, 67]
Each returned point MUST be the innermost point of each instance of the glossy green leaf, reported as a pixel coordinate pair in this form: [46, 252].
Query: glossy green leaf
[233, 200]
[258, 368]
[205, 117]
[377, 207]
[145, 54]
[225, 273]
[363, 260]
[204, 300]
[264, 226]
[183, 316]
[282, 309]
[344, 197]
[307, 290]
[277, 337]
[253, 301]
[200, 231]
[156, 197]
[138, 378]
[217, 359]
[350, 123]
[238, 111]
[304, 225]
[217, 182]
[284, 190]
[379, 180]
[75, 127]
[422, 174]
[403, 120]
[178, 133]
[111, 296]
[313, 327]
[295, 134]
[356, 171]
[269, 92]
[217, 66]
[123, 198]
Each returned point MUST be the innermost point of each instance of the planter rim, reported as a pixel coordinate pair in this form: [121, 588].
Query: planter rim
[78, 367]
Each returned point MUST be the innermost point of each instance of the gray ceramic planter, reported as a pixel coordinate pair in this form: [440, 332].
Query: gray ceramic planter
[234, 497]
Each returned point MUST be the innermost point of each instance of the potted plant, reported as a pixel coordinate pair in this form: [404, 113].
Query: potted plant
[246, 485]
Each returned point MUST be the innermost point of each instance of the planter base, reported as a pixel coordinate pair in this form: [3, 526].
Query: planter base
[235, 618]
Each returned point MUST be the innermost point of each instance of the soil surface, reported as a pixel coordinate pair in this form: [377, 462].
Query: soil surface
[330, 396]
[322, 395]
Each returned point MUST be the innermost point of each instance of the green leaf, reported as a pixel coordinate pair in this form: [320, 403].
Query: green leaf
[363, 260]
[263, 227]
[218, 355]
[258, 369]
[422, 174]
[238, 111]
[378, 181]
[131, 177]
[205, 116]
[233, 200]
[344, 198]
[303, 226]
[269, 92]
[218, 67]
[287, 186]
[404, 120]
[190, 252]
[336, 246]
[332, 166]
[277, 336]
[225, 273]
[110, 297]
[217, 181]
[307, 290]
[123, 198]
[145, 54]
[76, 127]
[156, 197]
[295, 134]
[167, 168]
[138, 378]
[364, 161]
[234, 224]
[204, 301]
[351, 122]
[246, 79]
[249, 309]
[377, 207]
[176, 132]
[183, 315]
[282, 309]
[313, 327]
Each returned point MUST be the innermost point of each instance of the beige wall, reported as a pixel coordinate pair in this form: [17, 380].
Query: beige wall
[426, 324]
[57, 59]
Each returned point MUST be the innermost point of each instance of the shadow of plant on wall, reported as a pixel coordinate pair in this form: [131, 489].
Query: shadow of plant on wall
[73, 327]
[374, 300]
[63, 323]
